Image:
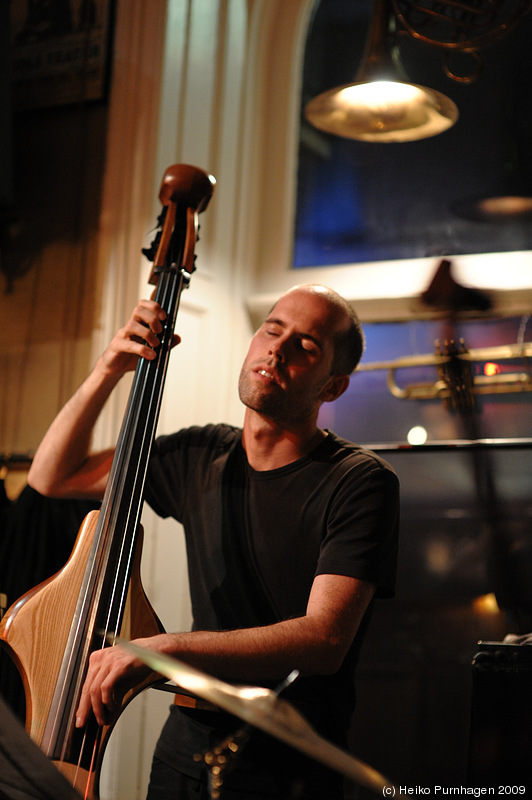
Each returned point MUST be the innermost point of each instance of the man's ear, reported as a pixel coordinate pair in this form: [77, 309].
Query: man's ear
[335, 387]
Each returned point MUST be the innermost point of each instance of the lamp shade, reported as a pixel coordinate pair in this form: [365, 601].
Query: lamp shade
[382, 111]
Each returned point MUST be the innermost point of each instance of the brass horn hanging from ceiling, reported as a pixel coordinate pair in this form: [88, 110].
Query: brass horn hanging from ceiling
[381, 105]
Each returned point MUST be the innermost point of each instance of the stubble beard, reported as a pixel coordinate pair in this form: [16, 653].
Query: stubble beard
[274, 404]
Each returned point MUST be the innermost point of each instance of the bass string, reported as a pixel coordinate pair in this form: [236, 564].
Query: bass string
[91, 770]
[149, 393]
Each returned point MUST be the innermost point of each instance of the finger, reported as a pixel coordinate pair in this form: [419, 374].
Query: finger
[104, 705]
[150, 314]
[139, 333]
[84, 708]
[91, 697]
[123, 352]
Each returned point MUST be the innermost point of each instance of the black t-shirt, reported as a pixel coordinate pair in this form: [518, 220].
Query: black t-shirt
[256, 540]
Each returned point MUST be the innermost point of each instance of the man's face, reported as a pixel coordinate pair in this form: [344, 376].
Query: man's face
[287, 370]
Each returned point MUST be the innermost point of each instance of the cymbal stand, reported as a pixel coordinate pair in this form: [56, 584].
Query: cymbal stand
[222, 758]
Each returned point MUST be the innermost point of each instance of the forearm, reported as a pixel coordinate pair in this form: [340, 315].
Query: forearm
[256, 654]
[245, 656]
[64, 451]
[315, 643]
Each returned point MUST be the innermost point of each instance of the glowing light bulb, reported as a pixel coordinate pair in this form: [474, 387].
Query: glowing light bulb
[417, 435]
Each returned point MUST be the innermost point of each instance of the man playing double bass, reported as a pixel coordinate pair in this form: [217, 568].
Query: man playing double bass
[291, 533]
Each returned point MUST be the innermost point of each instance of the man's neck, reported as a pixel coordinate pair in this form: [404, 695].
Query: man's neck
[270, 446]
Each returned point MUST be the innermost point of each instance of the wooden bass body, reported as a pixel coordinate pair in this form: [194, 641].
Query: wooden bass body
[35, 631]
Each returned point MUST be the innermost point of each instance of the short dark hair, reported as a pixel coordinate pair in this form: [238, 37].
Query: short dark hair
[349, 343]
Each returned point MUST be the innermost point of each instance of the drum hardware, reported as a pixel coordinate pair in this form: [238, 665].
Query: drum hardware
[222, 758]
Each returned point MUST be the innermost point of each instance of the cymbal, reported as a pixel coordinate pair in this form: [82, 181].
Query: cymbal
[265, 710]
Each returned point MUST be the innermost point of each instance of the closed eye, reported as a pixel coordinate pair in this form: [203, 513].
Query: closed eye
[309, 346]
[304, 341]
[272, 328]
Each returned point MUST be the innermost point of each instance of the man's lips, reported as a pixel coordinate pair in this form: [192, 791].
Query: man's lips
[268, 374]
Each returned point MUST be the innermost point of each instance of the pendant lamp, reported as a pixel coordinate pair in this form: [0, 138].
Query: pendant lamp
[381, 105]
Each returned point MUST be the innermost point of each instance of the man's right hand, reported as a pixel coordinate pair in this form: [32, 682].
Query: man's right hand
[138, 338]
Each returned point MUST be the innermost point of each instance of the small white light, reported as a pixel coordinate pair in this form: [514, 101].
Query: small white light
[417, 435]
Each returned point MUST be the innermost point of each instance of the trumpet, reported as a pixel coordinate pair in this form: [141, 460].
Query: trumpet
[456, 384]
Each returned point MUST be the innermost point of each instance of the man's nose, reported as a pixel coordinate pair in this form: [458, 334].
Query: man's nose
[277, 351]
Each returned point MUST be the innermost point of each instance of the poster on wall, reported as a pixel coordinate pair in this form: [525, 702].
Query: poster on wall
[60, 52]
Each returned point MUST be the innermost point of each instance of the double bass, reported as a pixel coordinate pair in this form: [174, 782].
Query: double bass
[51, 630]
